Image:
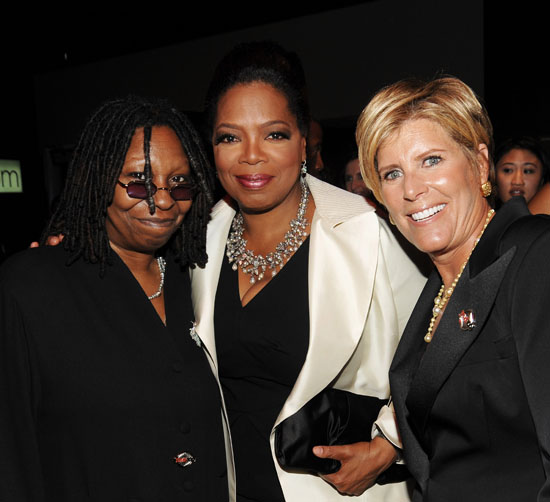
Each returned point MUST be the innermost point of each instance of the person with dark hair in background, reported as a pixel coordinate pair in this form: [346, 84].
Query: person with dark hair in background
[314, 149]
[521, 167]
[354, 183]
[305, 287]
[105, 391]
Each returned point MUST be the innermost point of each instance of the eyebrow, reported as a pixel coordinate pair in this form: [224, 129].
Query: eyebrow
[516, 163]
[420, 156]
[269, 123]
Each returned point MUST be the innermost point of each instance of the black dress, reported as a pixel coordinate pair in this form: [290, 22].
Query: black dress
[97, 396]
[261, 349]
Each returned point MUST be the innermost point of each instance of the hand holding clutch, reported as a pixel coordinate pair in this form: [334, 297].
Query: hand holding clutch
[362, 464]
[333, 417]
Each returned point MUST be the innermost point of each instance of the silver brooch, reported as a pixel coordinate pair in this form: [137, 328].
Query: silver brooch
[194, 335]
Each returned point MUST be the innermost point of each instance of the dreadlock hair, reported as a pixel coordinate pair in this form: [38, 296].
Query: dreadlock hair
[95, 168]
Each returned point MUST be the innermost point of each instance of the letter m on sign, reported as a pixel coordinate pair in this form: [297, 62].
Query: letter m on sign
[10, 176]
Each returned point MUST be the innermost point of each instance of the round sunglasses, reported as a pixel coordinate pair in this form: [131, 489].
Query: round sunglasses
[137, 190]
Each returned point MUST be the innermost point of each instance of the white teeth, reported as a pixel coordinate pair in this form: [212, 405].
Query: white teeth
[421, 215]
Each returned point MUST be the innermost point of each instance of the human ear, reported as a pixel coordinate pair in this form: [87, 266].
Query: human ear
[483, 162]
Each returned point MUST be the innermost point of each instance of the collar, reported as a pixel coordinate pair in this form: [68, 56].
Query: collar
[487, 251]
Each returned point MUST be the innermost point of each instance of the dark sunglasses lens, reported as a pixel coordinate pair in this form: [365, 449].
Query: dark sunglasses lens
[137, 190]
[182, 192]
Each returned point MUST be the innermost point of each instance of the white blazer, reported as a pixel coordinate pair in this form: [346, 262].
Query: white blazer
[362, 288]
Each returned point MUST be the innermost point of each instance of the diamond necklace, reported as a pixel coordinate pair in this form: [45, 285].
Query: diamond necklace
[257, 265]
[444, 294]
[162, 267]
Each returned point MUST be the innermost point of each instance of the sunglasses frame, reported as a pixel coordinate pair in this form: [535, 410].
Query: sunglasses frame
[154, 189]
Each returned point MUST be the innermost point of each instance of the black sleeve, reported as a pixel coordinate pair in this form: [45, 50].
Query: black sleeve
[20, 468]
[530, 322]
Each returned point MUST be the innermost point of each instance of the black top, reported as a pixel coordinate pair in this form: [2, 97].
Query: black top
[261, 349]
[97, 396]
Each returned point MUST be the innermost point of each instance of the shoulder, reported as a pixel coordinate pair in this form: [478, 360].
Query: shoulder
[32, 261]
[43, 271]
[223, 209]
[540, 203]
[218, 227]
[526, 232]
[336, 205]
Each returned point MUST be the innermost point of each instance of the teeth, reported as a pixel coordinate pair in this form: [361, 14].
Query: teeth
[421, 215]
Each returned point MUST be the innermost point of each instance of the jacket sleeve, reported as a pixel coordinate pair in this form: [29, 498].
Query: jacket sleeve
[20, 470]
[530, 324]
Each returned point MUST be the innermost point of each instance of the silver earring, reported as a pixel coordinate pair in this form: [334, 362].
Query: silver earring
[303, 168]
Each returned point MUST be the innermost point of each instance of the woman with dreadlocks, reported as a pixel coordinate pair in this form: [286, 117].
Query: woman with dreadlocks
[104, 395]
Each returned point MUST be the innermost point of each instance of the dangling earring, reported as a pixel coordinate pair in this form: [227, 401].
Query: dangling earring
[303, 168]
[486, 188]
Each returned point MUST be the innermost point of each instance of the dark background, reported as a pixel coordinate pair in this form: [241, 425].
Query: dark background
[44, 53]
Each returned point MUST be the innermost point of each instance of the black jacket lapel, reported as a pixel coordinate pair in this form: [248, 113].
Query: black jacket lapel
[450, 342]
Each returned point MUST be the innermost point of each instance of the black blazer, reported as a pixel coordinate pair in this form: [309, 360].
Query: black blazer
[97, 396]
[473, 406]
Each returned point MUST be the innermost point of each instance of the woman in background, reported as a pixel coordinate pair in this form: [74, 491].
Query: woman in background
[521, 168]
[104, 395]
[469, 375]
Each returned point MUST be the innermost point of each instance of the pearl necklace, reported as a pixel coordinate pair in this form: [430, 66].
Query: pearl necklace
[162, 267]
[444, 294]
[257, 266]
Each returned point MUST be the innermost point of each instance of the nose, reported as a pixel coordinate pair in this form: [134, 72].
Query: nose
[252, 152]
[517, 178]
[413, 187]
[163, 199]
[319, 164]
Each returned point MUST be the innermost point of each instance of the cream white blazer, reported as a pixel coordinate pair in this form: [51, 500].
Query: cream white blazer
[362, 288]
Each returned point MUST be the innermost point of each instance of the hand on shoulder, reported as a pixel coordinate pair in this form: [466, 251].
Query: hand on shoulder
[52, 240]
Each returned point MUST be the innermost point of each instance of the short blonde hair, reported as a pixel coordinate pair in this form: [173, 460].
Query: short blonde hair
[447, 101]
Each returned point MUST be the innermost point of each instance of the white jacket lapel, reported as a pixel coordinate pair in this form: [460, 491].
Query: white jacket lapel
[342, 267]
[205, 281]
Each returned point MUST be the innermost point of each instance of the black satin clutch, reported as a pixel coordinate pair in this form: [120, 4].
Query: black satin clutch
[333, 417]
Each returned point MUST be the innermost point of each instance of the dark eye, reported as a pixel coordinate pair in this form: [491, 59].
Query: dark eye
[433, 160]
[278, 135]
[225, 138]
[179, 179]
[506, 170]
[137, 176]
[529, 171]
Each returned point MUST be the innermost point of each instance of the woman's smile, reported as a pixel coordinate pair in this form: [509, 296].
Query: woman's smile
[424, 214]
[254, 181]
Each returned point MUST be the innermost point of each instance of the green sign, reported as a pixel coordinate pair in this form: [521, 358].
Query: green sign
[10, 176]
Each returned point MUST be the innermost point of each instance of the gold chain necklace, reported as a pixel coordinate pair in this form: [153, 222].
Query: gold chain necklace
[444, 294]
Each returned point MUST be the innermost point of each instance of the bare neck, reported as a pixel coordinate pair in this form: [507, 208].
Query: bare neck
[449, 264]
[263, 231]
